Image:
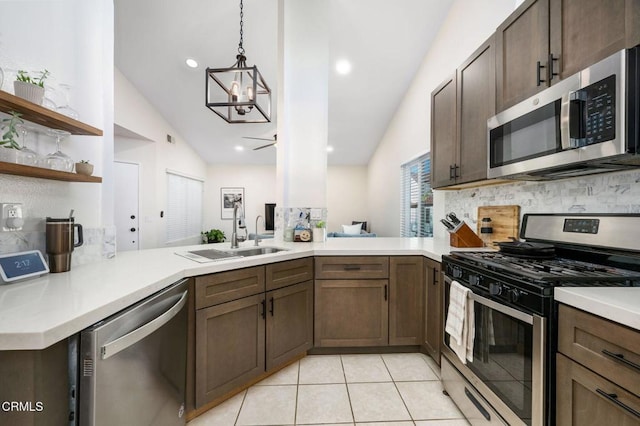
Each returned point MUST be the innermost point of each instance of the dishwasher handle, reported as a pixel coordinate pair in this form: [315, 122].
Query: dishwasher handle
[122, 343]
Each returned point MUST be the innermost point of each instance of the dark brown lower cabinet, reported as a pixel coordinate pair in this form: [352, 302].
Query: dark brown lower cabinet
[38, 381]
[433, 312]
[351, 313]
[587, 399]
[289, 323]
[230, 344]
[405, 300]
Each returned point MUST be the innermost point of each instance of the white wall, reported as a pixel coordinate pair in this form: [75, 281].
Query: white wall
[73, 39]
[154, 155]
[346, 194]
[467, 25]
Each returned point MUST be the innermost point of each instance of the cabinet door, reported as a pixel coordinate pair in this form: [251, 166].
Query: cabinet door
[582, 32]
[476, 85]
[405, 300]
[283, 274]
[289, 323]
[433, 313]
[443, 134]
[586, 399]
[229, 346]
[351, 313]
[522, 41]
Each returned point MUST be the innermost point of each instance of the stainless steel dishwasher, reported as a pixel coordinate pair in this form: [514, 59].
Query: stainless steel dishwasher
[132, 365]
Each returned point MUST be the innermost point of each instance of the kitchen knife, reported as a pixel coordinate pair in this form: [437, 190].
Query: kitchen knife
[453, 219]
[448, 224]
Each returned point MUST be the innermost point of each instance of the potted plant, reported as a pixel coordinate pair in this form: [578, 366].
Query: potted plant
[84, 168]
[30, 88]
[213, 236]
[320, 231]
[8, 142]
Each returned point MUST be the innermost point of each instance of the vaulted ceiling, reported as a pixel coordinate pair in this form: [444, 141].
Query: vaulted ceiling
[384, 40]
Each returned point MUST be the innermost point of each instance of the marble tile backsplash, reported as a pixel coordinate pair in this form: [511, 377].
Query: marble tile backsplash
[605, 193]
[98, 243]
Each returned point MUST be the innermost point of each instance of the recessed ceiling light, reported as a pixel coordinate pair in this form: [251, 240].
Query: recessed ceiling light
[329, 148]
[343, 67]
[191, 63]
[239, 148]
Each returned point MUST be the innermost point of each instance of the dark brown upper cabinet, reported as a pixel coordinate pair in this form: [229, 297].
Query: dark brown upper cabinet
[544, 41]
[460, 107]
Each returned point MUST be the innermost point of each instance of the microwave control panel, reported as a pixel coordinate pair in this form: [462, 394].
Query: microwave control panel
[600, 110]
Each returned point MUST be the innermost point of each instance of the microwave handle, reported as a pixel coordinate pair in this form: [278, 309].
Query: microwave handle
[572, 120]
[565, 122]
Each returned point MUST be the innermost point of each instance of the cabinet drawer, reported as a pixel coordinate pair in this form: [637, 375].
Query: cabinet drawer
[608, 348]
[225, 286]
[352, 267]
[584, 398]
[290, 272]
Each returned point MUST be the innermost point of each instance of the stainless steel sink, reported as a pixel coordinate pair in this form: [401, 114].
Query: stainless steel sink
[212, 255]
[255, 251]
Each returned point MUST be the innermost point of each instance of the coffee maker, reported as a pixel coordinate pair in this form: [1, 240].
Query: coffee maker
[60, 236]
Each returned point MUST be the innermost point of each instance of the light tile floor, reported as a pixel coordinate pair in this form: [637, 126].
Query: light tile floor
[361, 390]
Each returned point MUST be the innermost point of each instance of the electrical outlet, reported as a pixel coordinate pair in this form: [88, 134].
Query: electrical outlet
[11, 217]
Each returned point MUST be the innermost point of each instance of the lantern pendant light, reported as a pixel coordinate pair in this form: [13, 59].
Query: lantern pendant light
[238, 94]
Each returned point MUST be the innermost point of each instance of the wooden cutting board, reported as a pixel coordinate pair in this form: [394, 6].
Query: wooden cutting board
[505, 221]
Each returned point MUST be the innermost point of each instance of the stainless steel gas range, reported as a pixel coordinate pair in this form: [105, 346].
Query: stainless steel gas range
[511, 377]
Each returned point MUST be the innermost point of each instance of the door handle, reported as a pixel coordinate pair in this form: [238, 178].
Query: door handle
[539, 78]
[435, 276]
[122, 343]
[385, 292]
[264, 309]
[612, 397]
[271, 310]
[620, 358]
[551, 61]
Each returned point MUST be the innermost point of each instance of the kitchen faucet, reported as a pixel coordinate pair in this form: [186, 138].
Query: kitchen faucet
[237, 204]
[257, 237]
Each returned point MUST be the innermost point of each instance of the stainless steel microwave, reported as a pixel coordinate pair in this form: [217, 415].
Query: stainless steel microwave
[585, 124]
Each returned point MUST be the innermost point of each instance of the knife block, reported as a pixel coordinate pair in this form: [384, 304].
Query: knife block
[463, 236]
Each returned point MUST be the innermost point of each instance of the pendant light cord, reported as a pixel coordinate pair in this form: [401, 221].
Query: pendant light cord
[240, 48]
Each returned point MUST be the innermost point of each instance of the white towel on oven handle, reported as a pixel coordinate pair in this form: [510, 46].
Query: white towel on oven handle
[460, 324]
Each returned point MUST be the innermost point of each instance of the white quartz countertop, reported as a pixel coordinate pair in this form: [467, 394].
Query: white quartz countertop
[618, 304]
[37, 313]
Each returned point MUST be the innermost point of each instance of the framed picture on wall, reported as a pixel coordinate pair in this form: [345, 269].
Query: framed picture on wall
[228, 196]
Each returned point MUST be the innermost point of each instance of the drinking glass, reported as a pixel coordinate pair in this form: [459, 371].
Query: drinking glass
[26, 155]
[58, 160]
[65, 109]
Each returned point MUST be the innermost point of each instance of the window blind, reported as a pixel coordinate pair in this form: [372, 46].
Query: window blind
[184, 207]
[416, 211]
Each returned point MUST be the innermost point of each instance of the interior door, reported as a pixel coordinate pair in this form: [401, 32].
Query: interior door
[126, 205]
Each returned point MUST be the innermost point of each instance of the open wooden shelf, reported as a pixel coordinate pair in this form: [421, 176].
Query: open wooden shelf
[43, 116]
[41, 173]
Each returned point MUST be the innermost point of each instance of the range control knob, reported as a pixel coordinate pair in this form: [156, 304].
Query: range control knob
[475, 279]
[514, 295]
[457, 272]
[495, 289]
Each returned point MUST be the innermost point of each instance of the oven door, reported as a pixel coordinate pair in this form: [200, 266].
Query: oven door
[508, 360]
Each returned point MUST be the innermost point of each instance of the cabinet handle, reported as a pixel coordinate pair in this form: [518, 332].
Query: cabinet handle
[452, 174]
[385, 292]
[351, 267]
[477, 404]
[271, 302]
[456, 169]
[551, 60]
[622, 359]
[435, 276]
[264, 309]
[539, 78]
[612, 397]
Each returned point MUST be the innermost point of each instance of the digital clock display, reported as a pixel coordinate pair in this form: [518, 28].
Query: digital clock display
[581, 226]
[27, 264]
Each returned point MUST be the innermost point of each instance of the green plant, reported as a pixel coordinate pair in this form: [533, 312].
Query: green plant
[26, 78]
[214, 236]
[9, 136]
[320, 224]
[84, 162]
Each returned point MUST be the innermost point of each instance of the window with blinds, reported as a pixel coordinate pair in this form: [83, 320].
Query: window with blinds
[416, 212]
[184, 207]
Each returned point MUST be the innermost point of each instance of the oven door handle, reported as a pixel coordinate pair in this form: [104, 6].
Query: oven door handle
[514, 313]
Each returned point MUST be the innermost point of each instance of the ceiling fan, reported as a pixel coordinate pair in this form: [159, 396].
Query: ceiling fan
[273, 140]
